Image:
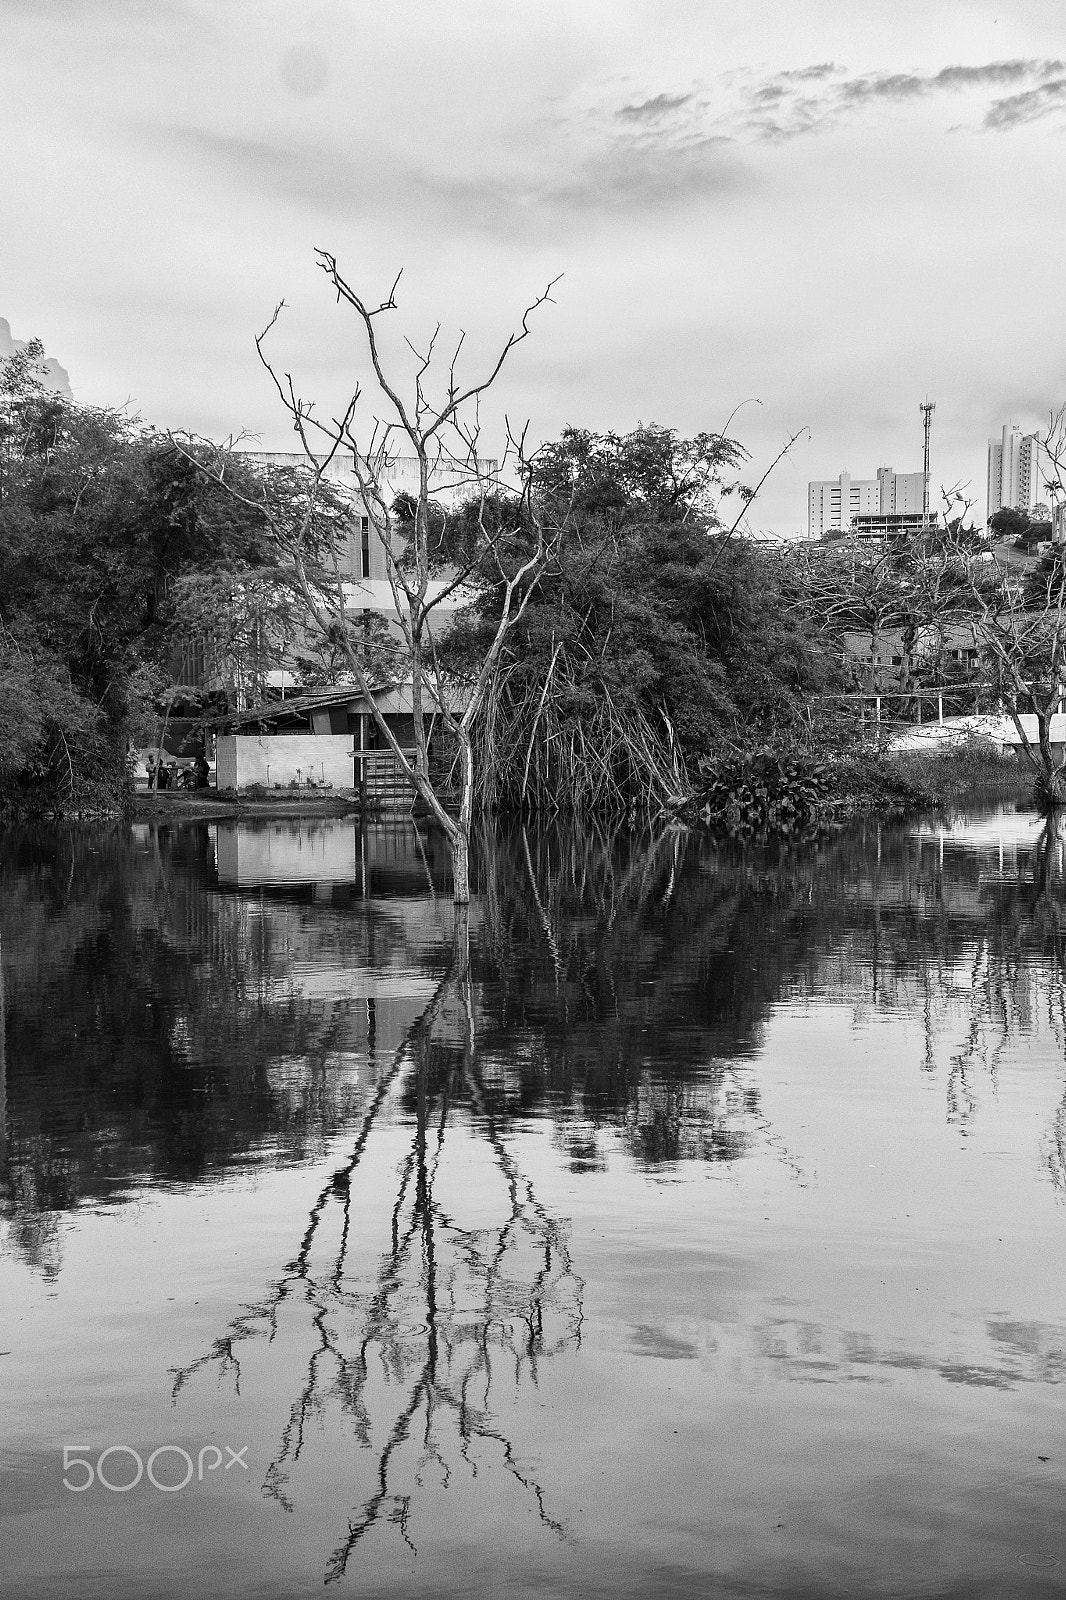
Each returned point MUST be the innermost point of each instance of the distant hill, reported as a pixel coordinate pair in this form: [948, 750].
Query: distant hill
[54, 376]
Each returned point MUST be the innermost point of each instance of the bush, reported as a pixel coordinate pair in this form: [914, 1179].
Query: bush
[973, 769]
[763, 792]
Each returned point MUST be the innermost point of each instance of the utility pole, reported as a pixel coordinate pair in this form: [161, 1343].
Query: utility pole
[927, 407]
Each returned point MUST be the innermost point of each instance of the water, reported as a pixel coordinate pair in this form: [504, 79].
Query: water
[690, 1221]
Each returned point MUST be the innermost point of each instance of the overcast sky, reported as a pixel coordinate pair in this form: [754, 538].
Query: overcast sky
[833, 207]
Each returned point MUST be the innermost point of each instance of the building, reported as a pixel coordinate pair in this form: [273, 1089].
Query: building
[887, 662]
[888, 524]
[1016, 470]
[833, 504]
[268, 664]
[363, 557]
[326, 740]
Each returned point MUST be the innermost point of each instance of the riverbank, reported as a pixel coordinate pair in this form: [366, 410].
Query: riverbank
[205, 804]
[973, 772]
[766, 793]
[758, 793]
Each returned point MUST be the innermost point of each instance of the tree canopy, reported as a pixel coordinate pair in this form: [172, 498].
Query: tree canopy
[99, 516]
[652, 639]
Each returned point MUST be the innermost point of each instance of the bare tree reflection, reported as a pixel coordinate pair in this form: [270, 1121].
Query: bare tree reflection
[411, 1352]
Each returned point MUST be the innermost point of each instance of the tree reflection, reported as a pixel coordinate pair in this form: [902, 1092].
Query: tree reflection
[993, 959]
[411, 1350]
[157, 1030]
[637, 971]
[160, 1029]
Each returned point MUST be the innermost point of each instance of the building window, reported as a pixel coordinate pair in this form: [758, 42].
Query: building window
[364, 534]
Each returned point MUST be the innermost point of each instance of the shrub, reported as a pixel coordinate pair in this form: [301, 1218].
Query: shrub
[764, 792]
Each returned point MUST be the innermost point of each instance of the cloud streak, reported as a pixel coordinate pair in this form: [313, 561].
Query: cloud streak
[607, 179]
[1029, 106]
[819, 97]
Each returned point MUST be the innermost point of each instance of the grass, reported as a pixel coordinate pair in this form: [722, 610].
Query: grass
[973, 770]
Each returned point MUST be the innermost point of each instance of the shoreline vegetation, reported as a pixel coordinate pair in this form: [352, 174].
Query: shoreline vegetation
[754, 796]
[768, 794]
[622, 650]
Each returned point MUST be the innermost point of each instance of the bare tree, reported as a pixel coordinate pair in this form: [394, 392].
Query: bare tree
[444, 435]
[910, 592]
[1019, 626]
[411, 1358]
[1016, 610]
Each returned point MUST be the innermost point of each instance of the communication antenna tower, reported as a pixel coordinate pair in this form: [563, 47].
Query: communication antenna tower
[927, 407]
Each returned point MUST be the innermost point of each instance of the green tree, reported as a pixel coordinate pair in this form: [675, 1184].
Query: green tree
[1008, 523]
[654, 638]
[99, 516]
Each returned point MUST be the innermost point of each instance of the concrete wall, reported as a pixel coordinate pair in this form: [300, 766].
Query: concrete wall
[281, 759]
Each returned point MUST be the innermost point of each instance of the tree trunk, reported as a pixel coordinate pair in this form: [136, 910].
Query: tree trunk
[154, 783]
[1047, 755]
[461, 840]
[460, 846]
[1050, 786]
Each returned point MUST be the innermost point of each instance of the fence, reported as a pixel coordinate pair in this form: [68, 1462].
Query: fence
[960, 700]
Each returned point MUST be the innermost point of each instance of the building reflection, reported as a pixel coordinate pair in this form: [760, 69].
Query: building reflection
[331, 857]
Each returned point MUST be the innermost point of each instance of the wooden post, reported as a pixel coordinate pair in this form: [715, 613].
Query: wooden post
[940, 709]
[877, 699]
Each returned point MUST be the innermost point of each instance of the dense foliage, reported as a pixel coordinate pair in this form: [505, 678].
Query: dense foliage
[654, 639]
[99, 517]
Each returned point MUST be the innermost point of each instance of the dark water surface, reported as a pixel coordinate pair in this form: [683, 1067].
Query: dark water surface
[689, 1222]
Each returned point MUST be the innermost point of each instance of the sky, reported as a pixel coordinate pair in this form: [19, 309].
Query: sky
[806, 216]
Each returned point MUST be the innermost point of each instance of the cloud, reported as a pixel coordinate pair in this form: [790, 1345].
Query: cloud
[1018, 1353]
[1029, 106]
[821, 69]
[804, 100]
[610, 177]
[653, 110]
[993, 72]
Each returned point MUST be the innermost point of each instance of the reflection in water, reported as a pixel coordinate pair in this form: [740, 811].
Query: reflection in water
[211, 996]
[170, 1017]
[161, 1031]
[192, 1007]
[445, 1307]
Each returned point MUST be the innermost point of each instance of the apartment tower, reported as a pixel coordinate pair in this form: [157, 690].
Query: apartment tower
[1015, 470]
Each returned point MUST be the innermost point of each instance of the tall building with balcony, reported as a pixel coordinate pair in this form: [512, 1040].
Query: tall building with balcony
[1016, 468]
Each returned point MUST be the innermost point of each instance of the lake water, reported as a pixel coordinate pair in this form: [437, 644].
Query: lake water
[686, 1221]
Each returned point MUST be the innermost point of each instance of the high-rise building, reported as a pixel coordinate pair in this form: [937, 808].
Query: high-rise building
[1015, 470]
[834, 503]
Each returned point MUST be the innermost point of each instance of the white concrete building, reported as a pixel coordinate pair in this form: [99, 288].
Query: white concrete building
[834, 503]
[900, 492]
[1016, 468]
[363, 560]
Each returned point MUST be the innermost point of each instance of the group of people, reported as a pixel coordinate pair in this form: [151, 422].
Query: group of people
[169, 775]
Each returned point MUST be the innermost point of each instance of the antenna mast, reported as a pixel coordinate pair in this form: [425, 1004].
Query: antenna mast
[927, 407]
